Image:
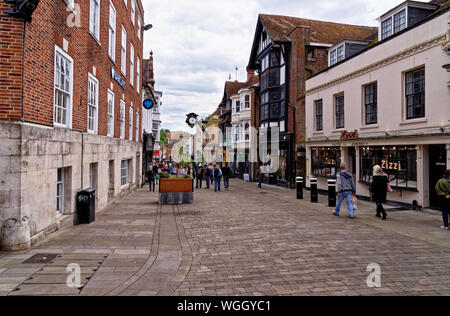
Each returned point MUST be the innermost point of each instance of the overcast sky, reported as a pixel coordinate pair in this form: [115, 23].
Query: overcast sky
[198, 43]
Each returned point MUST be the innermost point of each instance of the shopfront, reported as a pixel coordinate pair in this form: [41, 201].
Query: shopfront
[398, 162]
[413, 169]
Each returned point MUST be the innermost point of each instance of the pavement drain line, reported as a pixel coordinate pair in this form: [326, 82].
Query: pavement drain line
[146, 267]
[186, 260]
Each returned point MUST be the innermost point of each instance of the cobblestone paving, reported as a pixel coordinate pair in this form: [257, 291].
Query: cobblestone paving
[241, 242]
[265, 242]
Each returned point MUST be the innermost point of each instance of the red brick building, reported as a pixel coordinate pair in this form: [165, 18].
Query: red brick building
[70, 106]
[286, 51]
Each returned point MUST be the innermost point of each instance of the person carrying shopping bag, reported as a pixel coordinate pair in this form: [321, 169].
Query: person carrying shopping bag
[443, 191]
[346, 191]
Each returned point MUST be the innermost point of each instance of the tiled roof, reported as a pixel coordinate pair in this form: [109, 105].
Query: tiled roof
[279, 27]
[232, 88]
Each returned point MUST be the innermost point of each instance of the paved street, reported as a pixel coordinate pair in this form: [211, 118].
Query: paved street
[241, 242]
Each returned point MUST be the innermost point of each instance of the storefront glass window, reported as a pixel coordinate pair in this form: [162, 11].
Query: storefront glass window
[399, 162]
[325, 161]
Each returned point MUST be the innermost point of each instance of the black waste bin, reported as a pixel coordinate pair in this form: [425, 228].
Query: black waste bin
[85, 207]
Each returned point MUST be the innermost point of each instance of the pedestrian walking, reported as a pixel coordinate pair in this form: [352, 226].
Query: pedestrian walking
[199, 176]
[151, 178]
[156, 173]
[226, 176]
[346, 191]
[212, 173]
[443, 191]
[379, 189]
[259, 175]
[208, 176]
[217, 178]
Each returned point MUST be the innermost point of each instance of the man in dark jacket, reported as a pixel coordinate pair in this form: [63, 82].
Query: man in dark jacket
[217, 178]
[156, 173]
[226, 176]
[378, 190]
[346, 191]
[199, 176]
[208, 176]
[151, 178]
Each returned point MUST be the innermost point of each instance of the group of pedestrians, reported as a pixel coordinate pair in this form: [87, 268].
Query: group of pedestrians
[379, 189]
[212, 175]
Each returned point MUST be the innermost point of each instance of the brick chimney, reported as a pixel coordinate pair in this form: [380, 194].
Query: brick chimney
[250, 74]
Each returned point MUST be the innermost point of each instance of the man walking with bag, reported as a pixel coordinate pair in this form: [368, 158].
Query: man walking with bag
[346, 191]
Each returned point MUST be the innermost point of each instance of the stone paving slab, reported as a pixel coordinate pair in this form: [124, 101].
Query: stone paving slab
[238, 242]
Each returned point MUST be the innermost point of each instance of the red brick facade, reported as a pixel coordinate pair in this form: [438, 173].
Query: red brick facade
[49, 29]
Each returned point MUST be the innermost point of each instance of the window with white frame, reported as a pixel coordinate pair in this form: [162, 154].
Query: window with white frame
[110, 123]
[92, 104]
[63, 88]
[123, 60]
[130, 124]
[386, 28]
[138, 74]
[137, 126]
[139, 28]
[94, 19]
[400, 21]
[112, 31]
[131, 64]
[124, 172]
[133, 11]
[333, 57]
[60, 192]
[247, 131]
[247, 101]
[122, 119]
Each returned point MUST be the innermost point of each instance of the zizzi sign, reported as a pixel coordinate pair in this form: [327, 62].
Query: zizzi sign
[349, 135]
[391, 165]
[115, 75]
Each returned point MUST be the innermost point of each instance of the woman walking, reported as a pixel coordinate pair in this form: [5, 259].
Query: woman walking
[443, 191]
[379, 189]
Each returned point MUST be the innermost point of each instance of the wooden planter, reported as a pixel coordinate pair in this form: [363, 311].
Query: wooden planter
[176, 191]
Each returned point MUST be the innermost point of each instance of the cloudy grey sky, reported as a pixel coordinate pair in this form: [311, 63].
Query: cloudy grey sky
[198, 43]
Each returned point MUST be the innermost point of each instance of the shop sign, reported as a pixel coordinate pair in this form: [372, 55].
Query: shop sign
[391, 165]
[115, 75]
[349, 135]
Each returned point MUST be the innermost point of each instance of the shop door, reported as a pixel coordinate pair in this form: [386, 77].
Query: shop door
[438, 165]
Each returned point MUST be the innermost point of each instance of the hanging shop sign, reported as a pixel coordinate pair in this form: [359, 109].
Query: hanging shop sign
[115, 75]
[148, 104]
[349, 135]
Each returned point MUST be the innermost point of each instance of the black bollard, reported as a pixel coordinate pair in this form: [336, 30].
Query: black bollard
[299, 181]
[332, 193]
[314, 193]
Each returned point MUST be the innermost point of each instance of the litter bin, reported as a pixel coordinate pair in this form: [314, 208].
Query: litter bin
[85, 207]
[332, 193]
[299, 181]
[314, 193]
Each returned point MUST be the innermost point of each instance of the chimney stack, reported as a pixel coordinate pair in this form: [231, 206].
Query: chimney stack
[250, 73]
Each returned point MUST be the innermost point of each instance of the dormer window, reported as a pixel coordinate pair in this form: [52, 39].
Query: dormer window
[393, 24]
[337, 54]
